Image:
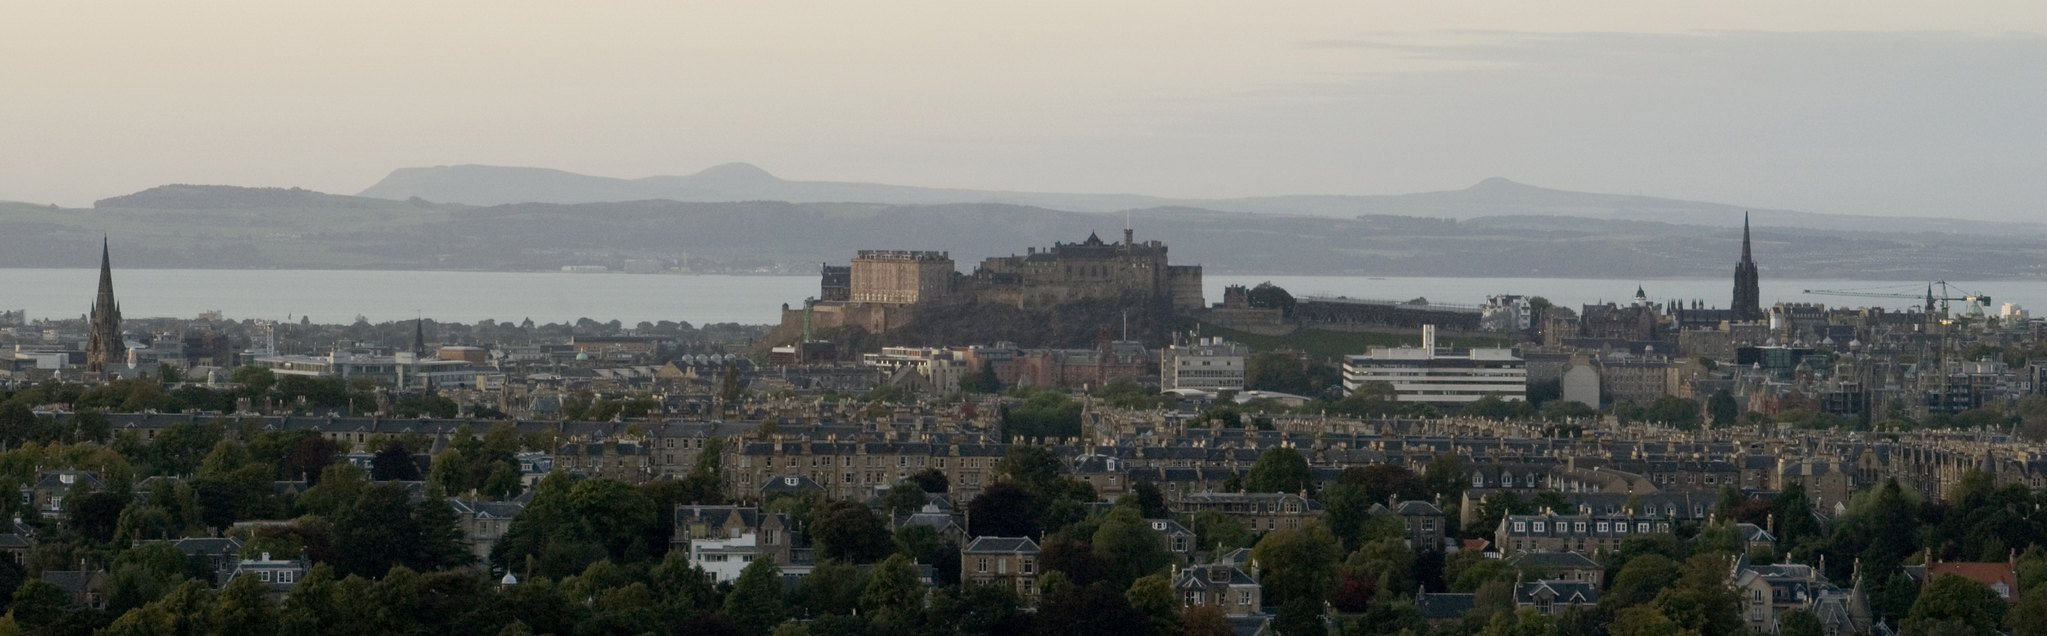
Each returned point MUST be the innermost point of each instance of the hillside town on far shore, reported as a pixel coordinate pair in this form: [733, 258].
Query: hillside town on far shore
[1078, 429]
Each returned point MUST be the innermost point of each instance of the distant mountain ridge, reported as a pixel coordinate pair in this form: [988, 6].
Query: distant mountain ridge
[203, 227]
[494, 185]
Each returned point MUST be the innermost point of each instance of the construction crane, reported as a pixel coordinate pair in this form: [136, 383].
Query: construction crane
[1976, 300]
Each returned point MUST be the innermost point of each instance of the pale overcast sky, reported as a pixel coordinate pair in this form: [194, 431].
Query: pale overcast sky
[1868, 106]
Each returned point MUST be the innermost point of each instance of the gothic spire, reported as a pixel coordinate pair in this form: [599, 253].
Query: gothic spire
[1744, 238]
[104, 347]
[419, 336]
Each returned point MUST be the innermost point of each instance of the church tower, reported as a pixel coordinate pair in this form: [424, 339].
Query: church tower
[104, 347]
[1748, 297]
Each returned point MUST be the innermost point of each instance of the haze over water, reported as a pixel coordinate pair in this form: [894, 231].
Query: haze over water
[467, 297]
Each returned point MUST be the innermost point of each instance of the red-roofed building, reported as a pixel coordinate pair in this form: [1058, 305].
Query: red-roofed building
[2002, 577]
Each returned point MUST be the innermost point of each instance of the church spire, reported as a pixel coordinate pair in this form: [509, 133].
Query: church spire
[1744, 239]
[419, 337]
[1748, 296]
[104, 347]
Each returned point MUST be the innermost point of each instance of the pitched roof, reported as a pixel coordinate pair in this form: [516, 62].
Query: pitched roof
[1448, 605]
[1563, 591]
[1001, 545]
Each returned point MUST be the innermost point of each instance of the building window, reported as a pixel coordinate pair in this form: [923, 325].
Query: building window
[981, 565]
[1539, 526]
[1520, 526]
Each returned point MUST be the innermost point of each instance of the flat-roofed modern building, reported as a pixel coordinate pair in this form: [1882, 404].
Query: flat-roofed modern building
[1210, 364]
[1438, 374]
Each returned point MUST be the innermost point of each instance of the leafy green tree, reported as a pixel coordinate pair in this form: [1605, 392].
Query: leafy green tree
[2028, 617]
[1269, 296]
[1150, 501]
[1205, 620]
[615, 516]
[1639, 581]
[1153, 595]
[979, 609]
[983, 381]
[1092, 609]
[38, 604]
[931, 480]
[1298, 567]
[441, 543]
[1722, 408]
[1674, 411]
[96, 515]
[1701, 599]
[179, 448]
[1132, 548]
[755, 601]
[1280, 371]
[375, 532]
[1645, 620]
[851, 532]
[1043, 414]
[244, 603]
[394, 463]
[1279, 469]
[904, 498]
[256, 380]
[1955, 598]
[833, 587]
[1002, 510]
[1799, 622]
[1218, 530]
[1446, 478]
[893, 597]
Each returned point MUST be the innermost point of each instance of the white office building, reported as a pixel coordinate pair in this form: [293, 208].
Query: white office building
[1439, 375]
[724, 559]
[1210, 364]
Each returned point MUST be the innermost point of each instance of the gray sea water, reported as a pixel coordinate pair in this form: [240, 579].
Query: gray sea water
[340, 296]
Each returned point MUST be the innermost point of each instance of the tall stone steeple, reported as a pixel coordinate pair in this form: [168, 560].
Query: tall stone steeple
[419, 337]
[1748, 297]
[104, 347]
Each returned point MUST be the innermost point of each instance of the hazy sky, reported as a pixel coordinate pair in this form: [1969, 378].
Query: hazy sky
[1867, 106]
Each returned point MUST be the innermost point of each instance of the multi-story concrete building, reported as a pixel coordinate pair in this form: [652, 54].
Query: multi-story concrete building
[402, 369]
[1210, 364]
[937, 369]
[1439, 375]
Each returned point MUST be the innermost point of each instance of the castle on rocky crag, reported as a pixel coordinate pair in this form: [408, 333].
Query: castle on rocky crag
[880, 289]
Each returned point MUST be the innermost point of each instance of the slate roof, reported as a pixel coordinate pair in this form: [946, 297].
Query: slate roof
[1552, 561]
[1445, 605]
[1001, 545]
[1566, 591]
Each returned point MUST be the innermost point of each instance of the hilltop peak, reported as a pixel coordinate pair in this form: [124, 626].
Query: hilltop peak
[1497, 184]
[739, 172]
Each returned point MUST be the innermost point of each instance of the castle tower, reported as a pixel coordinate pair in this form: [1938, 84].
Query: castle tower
[104, 347]
[1748, 297]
